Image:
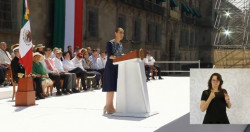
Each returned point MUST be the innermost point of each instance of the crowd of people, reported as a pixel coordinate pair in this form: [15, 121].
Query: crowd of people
[51, 66]
[54, 68]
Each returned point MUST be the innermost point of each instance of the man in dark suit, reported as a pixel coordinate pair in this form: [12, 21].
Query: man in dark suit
[3, 70]
[16, 68]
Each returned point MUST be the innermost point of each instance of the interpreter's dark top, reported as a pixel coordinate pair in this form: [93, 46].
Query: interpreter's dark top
[16, 68]
[111, 71]
[216, 111]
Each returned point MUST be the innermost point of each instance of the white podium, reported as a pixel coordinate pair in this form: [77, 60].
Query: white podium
[132, 94]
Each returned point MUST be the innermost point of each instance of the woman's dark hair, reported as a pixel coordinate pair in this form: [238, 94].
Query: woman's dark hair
[117, 29]
[94, 50]
[219, 78]
[65, 53]
[41, 52]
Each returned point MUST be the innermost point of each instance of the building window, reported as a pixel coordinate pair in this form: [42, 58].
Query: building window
[151, 33]
[7, 15]
[137, 30]
[172, 49]
[121, 22]
[184, 37]
[196, 38]
[158, 33]
[159, 2]
[154, 32]
[187, 37]
[92, 24]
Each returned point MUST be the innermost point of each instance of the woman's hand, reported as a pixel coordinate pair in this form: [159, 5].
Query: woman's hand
[112, 57]
[56, 72]
[226, 97]
[212, 95]
[38, 75]
[229, 105]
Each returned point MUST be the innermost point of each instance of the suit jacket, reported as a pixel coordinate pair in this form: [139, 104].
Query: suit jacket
[16, 68]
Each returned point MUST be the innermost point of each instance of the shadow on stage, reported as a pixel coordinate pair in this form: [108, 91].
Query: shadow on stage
[182, 124]
[109, 116]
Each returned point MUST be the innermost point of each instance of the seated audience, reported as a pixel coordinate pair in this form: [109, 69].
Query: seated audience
[83, 51]
[38, 70]
[40, 48]
[77, 61]
[70, 52]
[18, 71]
[5, 57]
[68, 65]
[77, 50]
[16, 67]
[5, 60]
[89, 51]
[3, 70]
[52, 71]
[101, 64]
[99, 52]
[91, 66]
[147, 68]
[54, 52]
[95, 68]
[69, 82]
[156, 69]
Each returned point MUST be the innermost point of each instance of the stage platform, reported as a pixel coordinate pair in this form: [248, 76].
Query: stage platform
[83, 112]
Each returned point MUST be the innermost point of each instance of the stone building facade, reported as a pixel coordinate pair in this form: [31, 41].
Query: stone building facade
[144, 28]
[41, 18]
[165, 29]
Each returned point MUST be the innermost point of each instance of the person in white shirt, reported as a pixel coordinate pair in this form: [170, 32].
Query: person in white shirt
[89, 51]
[5, 60]
[93, 58]
[77, 61]
[77, 50]
[54, 53]
[99, 52]
[71, 83]
[151, 60]
[5, 56]
[102, 63]
[156, 69]
[56, 76]
[68, 65]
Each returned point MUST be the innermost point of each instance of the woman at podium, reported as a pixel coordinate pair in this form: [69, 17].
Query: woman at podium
[114, 49]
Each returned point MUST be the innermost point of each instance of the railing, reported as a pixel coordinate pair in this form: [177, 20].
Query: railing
[178, 62]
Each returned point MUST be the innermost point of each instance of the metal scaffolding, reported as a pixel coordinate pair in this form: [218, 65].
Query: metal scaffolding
[232, 23]
[232, 38]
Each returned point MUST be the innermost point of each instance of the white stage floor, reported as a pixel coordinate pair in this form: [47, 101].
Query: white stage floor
[83, 111]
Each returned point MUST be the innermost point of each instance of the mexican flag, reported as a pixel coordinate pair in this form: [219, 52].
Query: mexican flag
[68, 23]
[25, 40]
